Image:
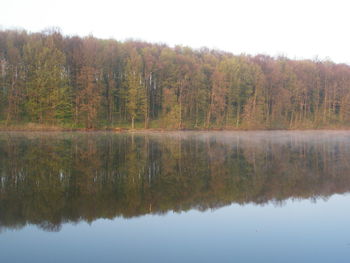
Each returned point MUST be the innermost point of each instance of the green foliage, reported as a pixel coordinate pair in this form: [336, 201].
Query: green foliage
[47, 90]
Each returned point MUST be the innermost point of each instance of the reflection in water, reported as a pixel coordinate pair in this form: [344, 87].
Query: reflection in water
[49, 179]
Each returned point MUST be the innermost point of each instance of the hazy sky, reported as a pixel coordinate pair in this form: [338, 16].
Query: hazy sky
[296, 28]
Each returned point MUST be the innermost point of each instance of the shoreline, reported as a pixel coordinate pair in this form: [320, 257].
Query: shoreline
[143, 130]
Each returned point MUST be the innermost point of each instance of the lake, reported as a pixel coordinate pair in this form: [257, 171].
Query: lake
[269, 196]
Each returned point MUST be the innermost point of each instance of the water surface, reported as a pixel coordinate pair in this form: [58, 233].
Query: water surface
[175, 197]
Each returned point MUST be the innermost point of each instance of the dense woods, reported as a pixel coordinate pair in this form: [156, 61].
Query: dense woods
[49, 179]
[48, 78]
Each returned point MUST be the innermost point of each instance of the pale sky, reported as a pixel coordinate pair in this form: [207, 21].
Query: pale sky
[295, 28]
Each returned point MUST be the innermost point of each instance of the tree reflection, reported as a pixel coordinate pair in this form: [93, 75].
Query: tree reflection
[50, 179]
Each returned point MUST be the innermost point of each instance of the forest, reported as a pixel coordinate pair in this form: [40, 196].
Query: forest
[48, 78]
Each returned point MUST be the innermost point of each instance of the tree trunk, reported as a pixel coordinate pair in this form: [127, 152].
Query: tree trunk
[238, 117]
[209, 111]
[146, 121]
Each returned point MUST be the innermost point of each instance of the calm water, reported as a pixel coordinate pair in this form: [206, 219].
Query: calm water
[175, 197]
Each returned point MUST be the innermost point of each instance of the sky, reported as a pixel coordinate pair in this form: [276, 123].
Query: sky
[298, 29]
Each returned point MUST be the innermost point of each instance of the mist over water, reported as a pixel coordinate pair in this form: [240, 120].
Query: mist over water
[58, 182]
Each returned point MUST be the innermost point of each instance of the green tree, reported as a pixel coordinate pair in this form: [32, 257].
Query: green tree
[48, 92]
[136, 95]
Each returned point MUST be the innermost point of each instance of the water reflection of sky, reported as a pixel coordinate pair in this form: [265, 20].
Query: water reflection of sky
[298, 231]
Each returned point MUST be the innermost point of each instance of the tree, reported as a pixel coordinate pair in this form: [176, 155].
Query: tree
[88, 97]
[48, 93]
[136, 96]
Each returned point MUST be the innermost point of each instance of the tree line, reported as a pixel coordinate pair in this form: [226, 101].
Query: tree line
[49, 179]
[49, 78]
